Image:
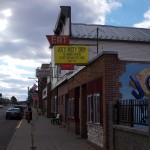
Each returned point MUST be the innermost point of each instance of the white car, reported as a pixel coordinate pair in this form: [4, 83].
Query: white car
[1, 106]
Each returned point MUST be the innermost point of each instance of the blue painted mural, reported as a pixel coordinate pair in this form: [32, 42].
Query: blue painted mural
[135, 81]
[136, 85]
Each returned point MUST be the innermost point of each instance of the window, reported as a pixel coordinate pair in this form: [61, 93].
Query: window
[54, 105]
[89, 107]
[71, 107]
[93, 108]
[96, 114]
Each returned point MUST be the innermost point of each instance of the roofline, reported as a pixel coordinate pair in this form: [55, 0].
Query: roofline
[109, 26]
[135, 40]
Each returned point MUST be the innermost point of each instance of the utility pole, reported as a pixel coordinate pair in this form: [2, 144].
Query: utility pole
[28, 98]
[97, 40]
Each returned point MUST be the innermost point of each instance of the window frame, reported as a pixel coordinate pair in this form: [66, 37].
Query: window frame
[89, 109]
[93, 108]
[71, 108]
[96, 108]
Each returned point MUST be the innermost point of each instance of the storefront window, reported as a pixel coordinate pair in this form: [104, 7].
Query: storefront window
[93, 108]
[96, 102]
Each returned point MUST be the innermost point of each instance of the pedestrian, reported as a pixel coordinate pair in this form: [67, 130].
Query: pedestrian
[29, 114]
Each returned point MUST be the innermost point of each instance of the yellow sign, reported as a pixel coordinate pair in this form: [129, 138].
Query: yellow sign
[77, 55]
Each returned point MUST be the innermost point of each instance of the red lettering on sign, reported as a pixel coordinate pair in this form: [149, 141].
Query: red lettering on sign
[58, 40]
[67, 67]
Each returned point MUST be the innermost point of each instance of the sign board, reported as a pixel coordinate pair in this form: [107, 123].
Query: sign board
[58, 40]
[77, 55]
[67, 67]
[35, 96]
[44, 72]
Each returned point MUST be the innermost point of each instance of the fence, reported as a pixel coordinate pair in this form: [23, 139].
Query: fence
[131, 112]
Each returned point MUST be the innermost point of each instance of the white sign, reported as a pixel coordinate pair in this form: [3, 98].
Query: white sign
[44, 72]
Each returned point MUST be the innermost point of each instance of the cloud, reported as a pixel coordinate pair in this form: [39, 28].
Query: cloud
[93, 11]
[7, 12]
[146, 22]
[4, 15]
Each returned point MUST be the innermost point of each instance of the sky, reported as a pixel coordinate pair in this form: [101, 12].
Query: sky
[24, 25]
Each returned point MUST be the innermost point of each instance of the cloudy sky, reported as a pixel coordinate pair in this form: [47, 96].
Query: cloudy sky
[24, 24]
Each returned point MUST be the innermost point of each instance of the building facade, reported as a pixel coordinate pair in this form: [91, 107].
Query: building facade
[117, 69]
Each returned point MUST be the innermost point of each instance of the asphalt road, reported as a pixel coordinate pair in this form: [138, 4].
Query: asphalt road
[7, 128]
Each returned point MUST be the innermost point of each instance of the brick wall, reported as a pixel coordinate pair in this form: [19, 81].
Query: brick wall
[49, 100]
[113, 69]
[83, 111]
[108, 68]
[95, 135]
[62, 91]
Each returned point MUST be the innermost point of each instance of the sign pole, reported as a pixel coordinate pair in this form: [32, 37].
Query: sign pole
[97, 40]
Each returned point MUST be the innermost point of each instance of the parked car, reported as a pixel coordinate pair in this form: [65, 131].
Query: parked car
[20, 107]
[13, 113]
[24, 106]
[1, 106]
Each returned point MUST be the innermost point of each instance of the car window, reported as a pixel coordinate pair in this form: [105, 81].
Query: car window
[20, 107]
[13, 109]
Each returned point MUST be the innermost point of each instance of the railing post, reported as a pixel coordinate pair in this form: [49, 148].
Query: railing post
[149, 119]
[132, 113]
[118, 114]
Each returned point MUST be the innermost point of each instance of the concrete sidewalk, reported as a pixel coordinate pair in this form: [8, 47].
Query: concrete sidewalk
[40, 134]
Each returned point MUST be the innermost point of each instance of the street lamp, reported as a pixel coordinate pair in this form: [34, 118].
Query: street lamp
[37, 81]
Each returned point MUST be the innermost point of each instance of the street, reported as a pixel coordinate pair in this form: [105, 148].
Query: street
[7, 128]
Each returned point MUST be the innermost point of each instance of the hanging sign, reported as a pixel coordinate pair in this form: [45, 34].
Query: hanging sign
[67, 67]
[35, 96]
[58, 40]
[44, 72]
[77, 55]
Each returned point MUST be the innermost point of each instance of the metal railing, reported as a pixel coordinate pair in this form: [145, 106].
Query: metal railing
[131, 112]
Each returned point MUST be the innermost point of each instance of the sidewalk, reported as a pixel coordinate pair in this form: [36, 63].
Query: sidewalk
[40, 134]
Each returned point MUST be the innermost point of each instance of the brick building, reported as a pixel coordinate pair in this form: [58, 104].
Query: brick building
[83, 96]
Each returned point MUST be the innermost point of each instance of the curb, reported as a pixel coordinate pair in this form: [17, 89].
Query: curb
[12, 139]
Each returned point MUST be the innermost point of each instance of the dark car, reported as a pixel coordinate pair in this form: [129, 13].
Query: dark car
[13, 113]
[20, 107]
[24, 106]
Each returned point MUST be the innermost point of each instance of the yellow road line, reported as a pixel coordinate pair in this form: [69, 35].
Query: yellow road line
[18, 126]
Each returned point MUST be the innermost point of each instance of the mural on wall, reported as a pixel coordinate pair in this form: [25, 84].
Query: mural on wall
[135, 81]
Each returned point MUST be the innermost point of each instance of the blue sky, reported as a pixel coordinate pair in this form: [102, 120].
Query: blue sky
[131, 12]
[24, 24]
